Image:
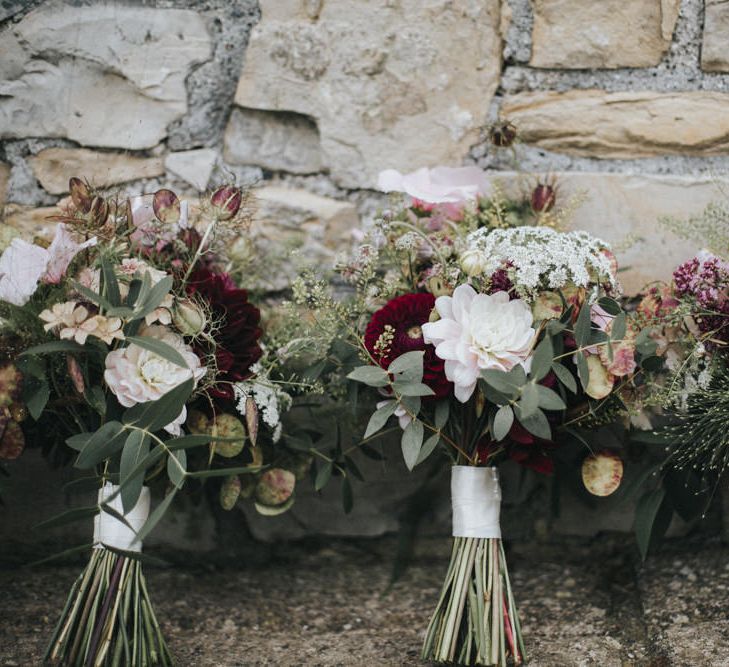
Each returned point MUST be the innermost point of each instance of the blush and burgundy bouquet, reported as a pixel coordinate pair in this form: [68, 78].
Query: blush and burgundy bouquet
[488, 334]
[126, 346]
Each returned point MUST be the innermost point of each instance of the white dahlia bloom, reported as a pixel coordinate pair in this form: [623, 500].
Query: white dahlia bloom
[136, 375]
[477, 332]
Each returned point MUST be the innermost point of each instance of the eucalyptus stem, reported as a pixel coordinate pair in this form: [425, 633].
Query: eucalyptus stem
[108, 619]
[475, 621]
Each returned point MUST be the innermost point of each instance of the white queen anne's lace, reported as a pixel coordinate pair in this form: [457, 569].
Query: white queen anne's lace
[541, 257]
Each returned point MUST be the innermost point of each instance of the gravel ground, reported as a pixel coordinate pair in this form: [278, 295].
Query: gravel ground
[582, 603]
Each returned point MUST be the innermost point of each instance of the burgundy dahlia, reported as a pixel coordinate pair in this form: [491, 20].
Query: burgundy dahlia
[238, 331]
[396, 329]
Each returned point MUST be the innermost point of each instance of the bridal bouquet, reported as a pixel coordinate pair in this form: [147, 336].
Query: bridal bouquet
[688, 395]
[488, 335]
[124, 338]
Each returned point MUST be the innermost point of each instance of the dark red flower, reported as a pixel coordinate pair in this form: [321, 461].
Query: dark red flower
[238, 331]
[396, 329]
[522, 447]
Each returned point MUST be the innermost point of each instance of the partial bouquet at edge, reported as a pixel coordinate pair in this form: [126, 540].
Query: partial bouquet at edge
[488, 335]
[133, 346]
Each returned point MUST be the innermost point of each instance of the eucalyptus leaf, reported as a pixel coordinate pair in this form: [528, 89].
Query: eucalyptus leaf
[223, 472]
[154, 415]
[379, 418]
[536, 423]
[617, 331]
[549, 399]
[136, 449]
[501, 382]
[409, 365]
[189, 441]
[411, 404]
[583, 326]
[156, 515]
[110, 282]
[583, 370]
[529, 401]
[69, 516]
[645, 516]
[412, 441]
[564, 376]
[323, 475]
[503, 421]
[106, 442]
[542, 359]
[442, 409]
[92, 296]
[53, 347]
[610, 306]
[412, 389]
[428, 446]
[177, 467]
[148, 301]
[373, 376]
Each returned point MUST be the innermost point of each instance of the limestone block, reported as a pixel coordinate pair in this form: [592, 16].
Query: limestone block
[384, 81]
[102, 75]
[598, 124]
[54, 166]
[574, 34]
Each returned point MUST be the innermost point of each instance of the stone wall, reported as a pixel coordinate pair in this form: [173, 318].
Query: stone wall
[625, 102]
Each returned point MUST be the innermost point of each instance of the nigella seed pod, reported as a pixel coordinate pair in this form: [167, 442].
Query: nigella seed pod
[502, 134]
[543, 198]
[80, 194]
[226, 201]
[98, 211]
[166, 206]
[473, 262]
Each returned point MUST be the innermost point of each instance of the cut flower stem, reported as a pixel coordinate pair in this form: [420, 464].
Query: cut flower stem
[108, 620]
[475, 621]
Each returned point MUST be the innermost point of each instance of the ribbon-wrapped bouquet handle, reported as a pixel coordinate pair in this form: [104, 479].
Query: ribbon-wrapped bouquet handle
[476, 501]
[109, 531]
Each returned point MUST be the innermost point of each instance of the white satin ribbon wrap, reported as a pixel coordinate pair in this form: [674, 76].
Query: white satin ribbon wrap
[476, 501]
[109, 531]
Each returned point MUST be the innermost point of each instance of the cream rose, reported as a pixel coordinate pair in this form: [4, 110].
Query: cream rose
[136, 375]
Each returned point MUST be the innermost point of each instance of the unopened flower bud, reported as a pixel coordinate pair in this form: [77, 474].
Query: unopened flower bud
[473, 262]
[226, 201]
[275, 486]
[502, 134]
[10, 382]
[230, 492]
[543, 198]
[75, 373]
[188, 318]
[166, 206]
[80, 194]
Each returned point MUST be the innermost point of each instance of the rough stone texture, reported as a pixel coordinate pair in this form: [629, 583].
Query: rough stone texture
[714, 52]
[276, 140]
[593, 123]
[380, 79]
[194, 167]
[293, 220]
[121, 90]
[328, 604]
[54, 166]
[577, 35]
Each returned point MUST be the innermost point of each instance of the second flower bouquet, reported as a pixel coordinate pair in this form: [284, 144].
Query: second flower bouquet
[488, 337]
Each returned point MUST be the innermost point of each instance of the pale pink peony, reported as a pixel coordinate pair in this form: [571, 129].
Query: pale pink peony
[439, 185]
[136, 375]
[478, 332]
[23, 265]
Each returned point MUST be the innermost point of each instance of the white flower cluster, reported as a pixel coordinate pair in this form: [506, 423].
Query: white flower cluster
[270, 400]
[542, 257]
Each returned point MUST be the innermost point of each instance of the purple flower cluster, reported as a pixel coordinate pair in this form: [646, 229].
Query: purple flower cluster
[706, 279]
